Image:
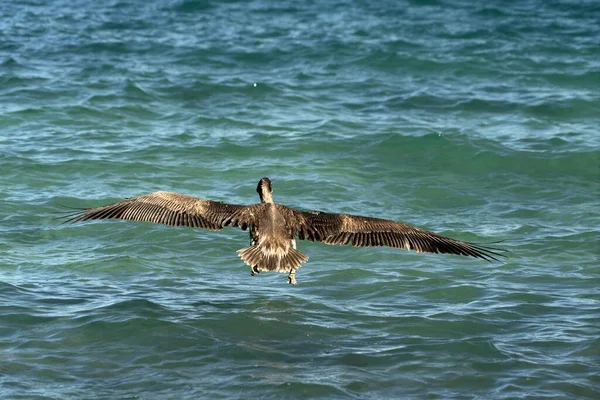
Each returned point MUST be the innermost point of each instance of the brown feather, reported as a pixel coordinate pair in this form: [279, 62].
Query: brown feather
[362, 231]
[170, 209]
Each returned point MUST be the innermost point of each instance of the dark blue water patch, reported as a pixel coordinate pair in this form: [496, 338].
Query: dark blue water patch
[192, 6]
[10, 64]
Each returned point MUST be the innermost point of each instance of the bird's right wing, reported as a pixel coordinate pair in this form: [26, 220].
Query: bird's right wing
[362, 231]
[172, 209]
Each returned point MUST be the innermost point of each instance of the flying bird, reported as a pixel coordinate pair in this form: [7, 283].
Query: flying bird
[275, 227]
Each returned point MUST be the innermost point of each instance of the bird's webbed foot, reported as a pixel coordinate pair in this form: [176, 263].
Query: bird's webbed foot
[254, 270]
[292, 277]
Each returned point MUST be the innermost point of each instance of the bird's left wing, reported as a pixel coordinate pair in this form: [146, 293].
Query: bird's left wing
[172, 209]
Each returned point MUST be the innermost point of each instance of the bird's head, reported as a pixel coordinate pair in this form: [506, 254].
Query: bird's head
[265, 189]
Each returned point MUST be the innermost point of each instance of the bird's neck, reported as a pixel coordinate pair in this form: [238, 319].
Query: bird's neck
[266, 197]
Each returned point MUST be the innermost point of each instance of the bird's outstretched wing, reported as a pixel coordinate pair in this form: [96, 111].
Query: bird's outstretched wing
[172, 209]
[366, 231]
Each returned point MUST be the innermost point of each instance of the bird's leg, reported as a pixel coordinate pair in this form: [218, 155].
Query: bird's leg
[292, 277]
[253, 239]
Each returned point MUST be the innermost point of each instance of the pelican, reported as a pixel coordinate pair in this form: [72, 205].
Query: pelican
[275, 227]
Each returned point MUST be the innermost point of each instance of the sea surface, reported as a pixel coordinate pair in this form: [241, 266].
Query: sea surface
[476, 120]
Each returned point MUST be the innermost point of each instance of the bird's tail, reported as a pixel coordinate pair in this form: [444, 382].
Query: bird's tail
[269, 259]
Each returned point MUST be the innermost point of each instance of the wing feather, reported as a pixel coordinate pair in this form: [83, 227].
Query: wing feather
[172, 209]
[362, 231]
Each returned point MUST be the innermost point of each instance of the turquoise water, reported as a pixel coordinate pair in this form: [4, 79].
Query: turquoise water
[480, 122]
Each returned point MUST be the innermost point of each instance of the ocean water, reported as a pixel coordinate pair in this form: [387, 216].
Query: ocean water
[479, 121]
